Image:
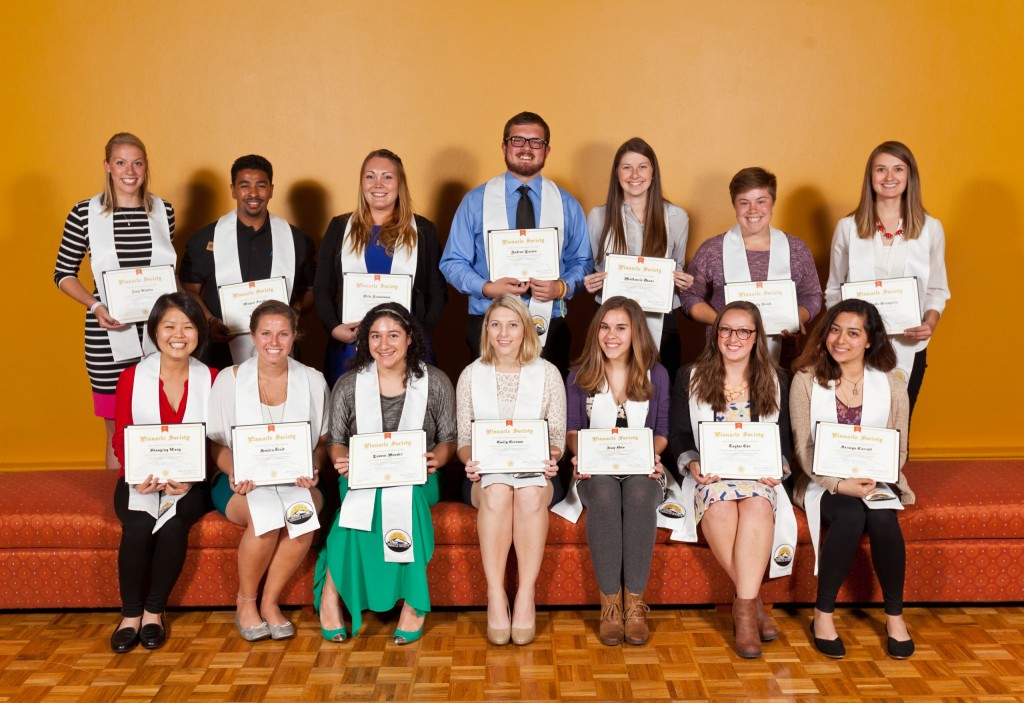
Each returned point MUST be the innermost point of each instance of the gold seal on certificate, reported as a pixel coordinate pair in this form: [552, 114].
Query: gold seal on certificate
[238, 300]
[510, 446]
[363, 291]
[896, 299]
[775, 300]
[384, 459]
[523, 254]
[130, 293]
[272, 453]
[646, 279]
[617, 451]
[749, 450]
[856, 451]
[175, 452]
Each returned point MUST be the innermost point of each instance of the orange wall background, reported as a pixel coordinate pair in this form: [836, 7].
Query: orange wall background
[804, 88]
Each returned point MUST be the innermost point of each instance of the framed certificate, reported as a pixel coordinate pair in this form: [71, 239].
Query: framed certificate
[238, 300]
[897, 301]
[645, 279]
[523, 254]
[130, 293]
[510, 446]
[856, 451]
[362, 291]
[383, 459]
[273, 453]
[176, 452]
[617, 451]
[740, 450]
[775, 300]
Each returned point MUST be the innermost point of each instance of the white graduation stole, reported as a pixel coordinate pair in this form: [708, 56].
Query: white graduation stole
[915, 253]
[495, 216]
[271, 507]
[604, 415]
[655, 320]
[146, 411]
[403, 261]
[529, 396]
[227, 268]
[784, 537]
[103, 257]
[396, 501]
[737, 270]
[874, 413]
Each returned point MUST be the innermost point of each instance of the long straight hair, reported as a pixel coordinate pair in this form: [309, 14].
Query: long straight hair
[816, 357]
[911, 206]
[108, 198]
[613, 237]
[400, 229]
[707, 382]
[643, 352]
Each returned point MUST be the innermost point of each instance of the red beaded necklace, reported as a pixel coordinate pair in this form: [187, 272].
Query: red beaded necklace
[889, 235]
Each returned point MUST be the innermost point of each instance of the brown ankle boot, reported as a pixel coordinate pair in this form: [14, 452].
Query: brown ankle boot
[766, 626]
[610, 632]
[744, 618]
[635, 617]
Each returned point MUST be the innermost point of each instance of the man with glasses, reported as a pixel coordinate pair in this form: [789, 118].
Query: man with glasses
[520, 199]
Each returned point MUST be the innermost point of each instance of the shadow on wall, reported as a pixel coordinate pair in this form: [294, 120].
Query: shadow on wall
[449, 168]
[200, 206]
[308, 201]
[807, 217]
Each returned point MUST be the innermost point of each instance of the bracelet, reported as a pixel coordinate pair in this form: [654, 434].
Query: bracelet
[94, 306]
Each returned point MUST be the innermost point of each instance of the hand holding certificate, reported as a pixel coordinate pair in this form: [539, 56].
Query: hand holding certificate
[385, 459]
[130, 293]
[750, 450]
[363, 291]
[897, 301]
[510, 446]
[648, 280]
[165, 452]
[238, 300]
[616, 451]
[775, 300]
[523, 254]
[855, 451]
[272, 454]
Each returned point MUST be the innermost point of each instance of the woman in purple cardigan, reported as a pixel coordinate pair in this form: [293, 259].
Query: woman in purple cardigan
[618, 382]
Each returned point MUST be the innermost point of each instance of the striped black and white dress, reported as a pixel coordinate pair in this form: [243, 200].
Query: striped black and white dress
[134, 247]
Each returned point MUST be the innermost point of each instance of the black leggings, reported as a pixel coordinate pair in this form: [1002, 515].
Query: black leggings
[916, 377]
[847, 519]
[153, 559]
[622, 524]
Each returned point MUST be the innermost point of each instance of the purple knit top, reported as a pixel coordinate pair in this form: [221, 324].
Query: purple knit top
[709, 275]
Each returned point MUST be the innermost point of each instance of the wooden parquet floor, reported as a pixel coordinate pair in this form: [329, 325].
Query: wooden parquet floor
[963, 654]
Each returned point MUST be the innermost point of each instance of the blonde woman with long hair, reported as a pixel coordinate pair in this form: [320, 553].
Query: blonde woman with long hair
[511, 381]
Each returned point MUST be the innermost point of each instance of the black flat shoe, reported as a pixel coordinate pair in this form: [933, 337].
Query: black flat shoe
[830, 648]
[896, 649]
[153, 636]
[124, 640]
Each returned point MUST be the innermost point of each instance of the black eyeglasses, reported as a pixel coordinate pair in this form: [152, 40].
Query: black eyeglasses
[741, 332]
[535, 143]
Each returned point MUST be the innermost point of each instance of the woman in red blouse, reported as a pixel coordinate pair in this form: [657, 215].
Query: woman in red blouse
[166, 387]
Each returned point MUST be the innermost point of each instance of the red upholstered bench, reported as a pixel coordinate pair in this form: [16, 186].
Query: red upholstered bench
[965, 542]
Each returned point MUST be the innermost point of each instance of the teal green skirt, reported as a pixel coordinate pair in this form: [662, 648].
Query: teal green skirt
[356, 560]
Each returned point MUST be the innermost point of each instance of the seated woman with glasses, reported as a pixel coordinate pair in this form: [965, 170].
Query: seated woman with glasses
[735, 380]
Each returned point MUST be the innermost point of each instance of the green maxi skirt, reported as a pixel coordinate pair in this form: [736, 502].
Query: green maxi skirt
[356, 560]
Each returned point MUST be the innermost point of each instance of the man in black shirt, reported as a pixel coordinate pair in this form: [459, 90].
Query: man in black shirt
[214, 258]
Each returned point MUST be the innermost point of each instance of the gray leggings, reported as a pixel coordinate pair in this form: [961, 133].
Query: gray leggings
[622, 524]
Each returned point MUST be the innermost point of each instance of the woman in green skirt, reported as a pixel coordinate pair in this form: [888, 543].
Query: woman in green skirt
[377, 551]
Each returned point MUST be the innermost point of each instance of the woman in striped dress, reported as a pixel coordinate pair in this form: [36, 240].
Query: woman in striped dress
[122, 227]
